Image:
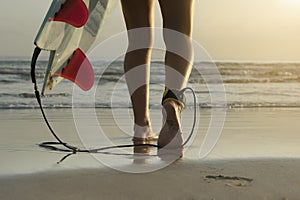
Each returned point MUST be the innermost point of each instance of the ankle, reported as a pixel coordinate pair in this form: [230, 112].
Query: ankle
[142, 123]
[173, 105]
[174, 97]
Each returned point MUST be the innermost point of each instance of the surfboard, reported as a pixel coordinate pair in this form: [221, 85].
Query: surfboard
[68, 30]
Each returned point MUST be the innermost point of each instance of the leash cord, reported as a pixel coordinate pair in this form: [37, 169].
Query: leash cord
[73, 149]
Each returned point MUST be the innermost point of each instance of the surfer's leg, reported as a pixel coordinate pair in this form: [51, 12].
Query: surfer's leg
[138, 15]
[178, 24]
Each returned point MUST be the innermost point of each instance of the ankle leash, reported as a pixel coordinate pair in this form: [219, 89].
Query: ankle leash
[174, 95]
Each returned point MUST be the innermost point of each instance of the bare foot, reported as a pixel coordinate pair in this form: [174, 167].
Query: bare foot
[170, 135]
[141, 152]
[144, 133]
[141, 147]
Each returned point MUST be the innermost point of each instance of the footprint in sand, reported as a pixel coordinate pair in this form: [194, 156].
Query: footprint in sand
[233, 181]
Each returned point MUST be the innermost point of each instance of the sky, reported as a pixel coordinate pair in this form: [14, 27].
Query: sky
[256, 30]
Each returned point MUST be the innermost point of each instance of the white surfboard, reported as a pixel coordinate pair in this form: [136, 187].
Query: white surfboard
[68, 31]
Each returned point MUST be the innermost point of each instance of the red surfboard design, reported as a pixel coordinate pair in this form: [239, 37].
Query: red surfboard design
[73, 12]
[79, 70]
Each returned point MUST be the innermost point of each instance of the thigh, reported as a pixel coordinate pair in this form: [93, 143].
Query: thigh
[138, 13]
[178, 15]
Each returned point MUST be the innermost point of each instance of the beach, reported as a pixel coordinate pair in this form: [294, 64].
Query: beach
[240, 122]
[256, 157]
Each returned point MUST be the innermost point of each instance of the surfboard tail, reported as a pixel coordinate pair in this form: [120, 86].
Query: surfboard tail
[73, 12]
[71, 26]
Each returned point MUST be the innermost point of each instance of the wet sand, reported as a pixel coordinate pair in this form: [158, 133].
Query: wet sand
[256, 157]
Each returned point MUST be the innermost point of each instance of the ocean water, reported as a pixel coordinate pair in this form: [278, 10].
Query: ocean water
[244, 84]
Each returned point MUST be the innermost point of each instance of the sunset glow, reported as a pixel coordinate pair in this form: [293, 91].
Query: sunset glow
[292, 2]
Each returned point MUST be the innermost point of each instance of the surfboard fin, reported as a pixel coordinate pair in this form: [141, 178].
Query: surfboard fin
[73, 12]
[79, 70]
